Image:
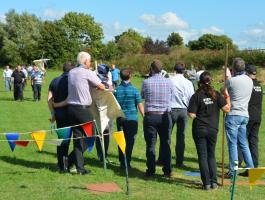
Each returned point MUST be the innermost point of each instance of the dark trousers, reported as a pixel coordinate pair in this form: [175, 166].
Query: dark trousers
[180, 118]
[36, 91]
[129, 128]
[78, 115]
[205, 141]
[106, 145]
[62, 120]
[18, 91]
[253, 142]
[162, 125]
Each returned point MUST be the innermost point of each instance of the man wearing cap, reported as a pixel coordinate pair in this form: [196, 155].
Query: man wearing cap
[182, 92]
[239, 89]
[157, 93]
[255, 111]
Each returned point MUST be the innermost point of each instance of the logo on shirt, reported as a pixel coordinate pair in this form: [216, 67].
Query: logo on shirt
[207, 101]
[257, 88]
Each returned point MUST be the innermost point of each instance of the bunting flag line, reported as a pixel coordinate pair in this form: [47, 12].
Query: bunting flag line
[90, 143]
[39, 137]
[88, 128]
[120, 139]
[12, 137]
[22, 143]
[64, 134]
[255, 174]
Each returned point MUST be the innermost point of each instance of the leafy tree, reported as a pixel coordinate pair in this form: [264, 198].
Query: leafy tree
[54, 44]
[157, 47]
[22, 32]
[174, 39]
[110, 51]
[210, 41]
[83, 32]
[129, 42]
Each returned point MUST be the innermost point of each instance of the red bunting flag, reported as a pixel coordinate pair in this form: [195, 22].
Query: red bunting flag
[22, 143]
[88, 128]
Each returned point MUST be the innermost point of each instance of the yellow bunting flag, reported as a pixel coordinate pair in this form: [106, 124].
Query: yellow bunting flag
[39, 137]
[120, 139]
[255, 174]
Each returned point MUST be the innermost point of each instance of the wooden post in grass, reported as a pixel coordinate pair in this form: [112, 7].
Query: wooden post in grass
[223, 132]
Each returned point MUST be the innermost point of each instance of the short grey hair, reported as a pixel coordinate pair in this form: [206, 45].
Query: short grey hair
[82, 57]
[238, 64]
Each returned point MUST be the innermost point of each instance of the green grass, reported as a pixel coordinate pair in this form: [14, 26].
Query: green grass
[29, 174]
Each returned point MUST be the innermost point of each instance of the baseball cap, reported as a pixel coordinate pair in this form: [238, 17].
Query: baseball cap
[251, 69]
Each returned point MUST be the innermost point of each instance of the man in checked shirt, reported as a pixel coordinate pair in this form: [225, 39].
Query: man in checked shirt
[157, 93]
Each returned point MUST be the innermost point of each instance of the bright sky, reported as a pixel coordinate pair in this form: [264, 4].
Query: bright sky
[243, 21]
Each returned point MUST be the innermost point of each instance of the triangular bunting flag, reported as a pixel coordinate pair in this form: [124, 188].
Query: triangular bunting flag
[39, 138]
[12, 137]
[255, 174]
[88, 128]
[65, 134]
[90, 143]
[120, 139]
[22, 143]
[57, 142]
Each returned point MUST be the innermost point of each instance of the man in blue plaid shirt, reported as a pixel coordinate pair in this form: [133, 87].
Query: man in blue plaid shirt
[157, 92]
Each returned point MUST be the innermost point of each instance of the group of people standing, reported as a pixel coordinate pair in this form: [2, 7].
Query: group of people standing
[167, 101]
[19, 79]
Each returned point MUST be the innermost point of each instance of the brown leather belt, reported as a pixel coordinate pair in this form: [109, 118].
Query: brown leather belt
[156, 113]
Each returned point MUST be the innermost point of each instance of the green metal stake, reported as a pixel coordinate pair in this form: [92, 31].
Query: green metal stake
[127, 176]
[234, 180]
[101, 139]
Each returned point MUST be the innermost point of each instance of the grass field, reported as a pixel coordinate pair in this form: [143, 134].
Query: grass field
[27, 174]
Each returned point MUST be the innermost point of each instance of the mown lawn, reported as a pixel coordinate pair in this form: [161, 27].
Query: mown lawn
[29, 174]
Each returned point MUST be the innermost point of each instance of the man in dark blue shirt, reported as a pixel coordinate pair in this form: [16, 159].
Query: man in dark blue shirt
[58, 91]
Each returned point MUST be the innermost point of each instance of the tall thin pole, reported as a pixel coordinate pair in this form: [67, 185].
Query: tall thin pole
[223, 133]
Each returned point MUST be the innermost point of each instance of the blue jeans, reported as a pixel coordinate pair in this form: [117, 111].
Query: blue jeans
[8, 84]
[236, 134]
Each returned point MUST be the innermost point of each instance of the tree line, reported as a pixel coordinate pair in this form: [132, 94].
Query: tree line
[25, 37]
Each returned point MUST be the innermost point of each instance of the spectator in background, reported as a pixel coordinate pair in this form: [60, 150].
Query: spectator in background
[36, 81]
[157, 93]
[255, 112]
[129, 99]
[18, 79]
[239, 88]
[204, 108]
[182, 92]
[7, 73]
[115, 72]
[26, 76]
[58, 91]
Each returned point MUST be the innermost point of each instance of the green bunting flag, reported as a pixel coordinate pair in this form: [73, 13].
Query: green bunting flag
[65, 134]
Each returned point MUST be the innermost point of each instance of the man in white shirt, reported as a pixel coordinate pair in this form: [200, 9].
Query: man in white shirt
[7, 78]
[182, 92]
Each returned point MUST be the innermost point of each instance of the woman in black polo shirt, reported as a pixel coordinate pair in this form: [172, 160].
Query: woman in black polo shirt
[204, 107]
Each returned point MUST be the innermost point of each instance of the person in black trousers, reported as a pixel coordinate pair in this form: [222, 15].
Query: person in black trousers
[204, 108]
[58, 91]
[255, 112]
[18, 79]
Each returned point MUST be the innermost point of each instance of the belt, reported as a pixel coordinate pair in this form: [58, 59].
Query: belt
[79, 106]
[156, 113]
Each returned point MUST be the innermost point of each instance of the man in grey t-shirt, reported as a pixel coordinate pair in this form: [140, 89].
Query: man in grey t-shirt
[239, 88]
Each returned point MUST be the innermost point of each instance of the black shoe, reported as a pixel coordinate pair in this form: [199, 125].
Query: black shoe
[63, 171]
[83, 172]
[149, 174]
[180, 165]
[244, 174]
[206, 187]
[168, 174]
[214, 186]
